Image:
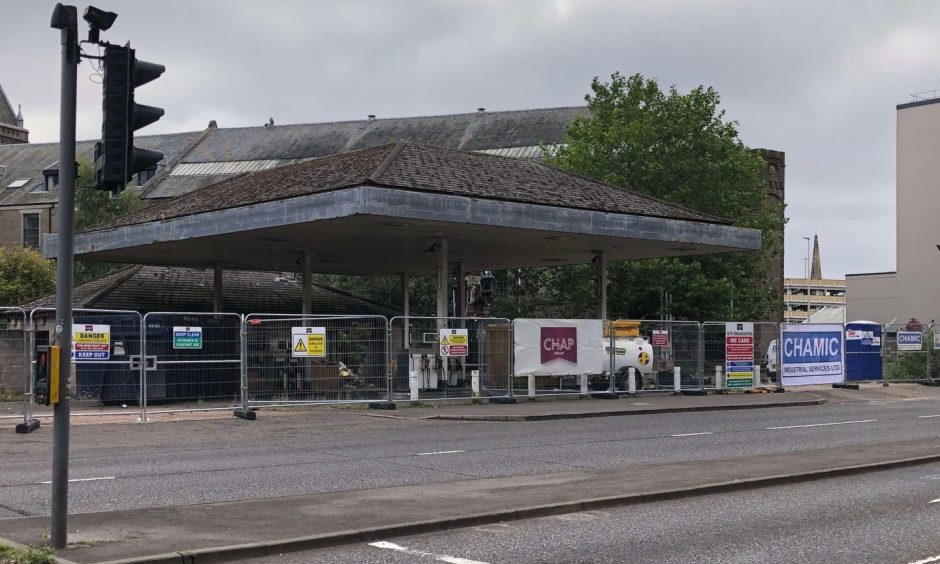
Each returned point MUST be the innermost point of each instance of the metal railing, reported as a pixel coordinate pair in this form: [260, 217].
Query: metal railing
[15, 382]
[439, 358]
[310, 359]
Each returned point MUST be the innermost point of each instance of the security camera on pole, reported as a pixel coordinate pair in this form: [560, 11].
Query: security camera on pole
[116, 152]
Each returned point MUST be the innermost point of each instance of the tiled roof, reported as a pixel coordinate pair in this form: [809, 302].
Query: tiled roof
[410, 166]
[157, 288]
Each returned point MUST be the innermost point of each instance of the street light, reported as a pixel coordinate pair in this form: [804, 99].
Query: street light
[807, 278]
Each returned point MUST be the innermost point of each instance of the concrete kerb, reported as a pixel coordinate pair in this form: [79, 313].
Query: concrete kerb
[313, 542]
[621, 412]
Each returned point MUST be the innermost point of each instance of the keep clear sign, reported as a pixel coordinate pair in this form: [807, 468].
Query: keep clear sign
[308, 342]
[91, 342]
[739, 355]
[812, 353]
[454, 342]
[187, 338]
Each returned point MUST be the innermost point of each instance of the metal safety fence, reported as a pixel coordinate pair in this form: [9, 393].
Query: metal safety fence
[192, 361]
[310, 359]
[740, 354]
[106, 358]
[15, 384]
[909, 353]
[663, 355]
[437, 358]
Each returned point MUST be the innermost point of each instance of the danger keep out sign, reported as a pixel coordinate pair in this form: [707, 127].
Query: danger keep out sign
[454, 342]
[91, 342]
[308, 342]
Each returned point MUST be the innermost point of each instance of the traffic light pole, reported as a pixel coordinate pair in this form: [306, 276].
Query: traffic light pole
[64, 18]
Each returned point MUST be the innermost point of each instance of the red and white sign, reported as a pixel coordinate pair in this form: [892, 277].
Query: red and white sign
[660, 338]
[558, 347]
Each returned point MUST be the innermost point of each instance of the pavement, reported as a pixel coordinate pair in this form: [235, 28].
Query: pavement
[220, 532]
[342, 469]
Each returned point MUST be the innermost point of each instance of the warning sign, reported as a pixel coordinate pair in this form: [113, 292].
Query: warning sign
[660, 338]
[308, 342]
[91, 342]
[454, 342]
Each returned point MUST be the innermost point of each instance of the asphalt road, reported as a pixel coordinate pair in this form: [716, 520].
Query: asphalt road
[133, 466]
[889, 516]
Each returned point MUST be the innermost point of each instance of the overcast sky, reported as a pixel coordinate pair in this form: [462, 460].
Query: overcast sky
[818, 80]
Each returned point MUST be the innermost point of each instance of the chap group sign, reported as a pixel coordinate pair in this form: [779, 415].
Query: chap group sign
[812, 354]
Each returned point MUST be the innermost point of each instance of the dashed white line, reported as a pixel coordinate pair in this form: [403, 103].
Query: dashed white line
[84, 479]
[927, 560]
[820, 424]
[438, 557]
[927, 416]
[691, 434]
[440, 452]
[933, 501]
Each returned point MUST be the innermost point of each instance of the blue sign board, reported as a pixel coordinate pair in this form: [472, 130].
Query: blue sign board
[812, 353]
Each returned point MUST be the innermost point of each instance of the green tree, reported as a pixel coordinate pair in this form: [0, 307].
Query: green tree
[24, 276]
[94, 206]
[680, 148]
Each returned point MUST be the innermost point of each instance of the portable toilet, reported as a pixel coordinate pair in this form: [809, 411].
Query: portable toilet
[862, 351]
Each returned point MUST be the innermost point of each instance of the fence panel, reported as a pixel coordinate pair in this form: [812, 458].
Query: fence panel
[310, 359]
[192, 361]
[543, 362]
[422, 370]
[15, 382]
[107, 360]
[655, 349]
[905, 359]
[760, 342]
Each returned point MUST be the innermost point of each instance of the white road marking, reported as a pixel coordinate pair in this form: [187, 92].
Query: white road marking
[934, 501]
[438, 557]
[927, 560]
[820, 424]
[927, 416]
[84, 479]
[439, 452]
[691, 434]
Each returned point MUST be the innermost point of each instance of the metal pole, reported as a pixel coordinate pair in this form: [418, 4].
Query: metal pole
[64, 18]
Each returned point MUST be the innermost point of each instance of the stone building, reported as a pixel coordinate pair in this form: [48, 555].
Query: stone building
[11, 124]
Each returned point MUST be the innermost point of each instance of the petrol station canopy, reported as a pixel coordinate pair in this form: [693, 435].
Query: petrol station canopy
[383, 210]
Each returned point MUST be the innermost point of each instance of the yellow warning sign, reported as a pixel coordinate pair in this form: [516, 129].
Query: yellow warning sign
[454, 342]
[444, 340]
[308, 342]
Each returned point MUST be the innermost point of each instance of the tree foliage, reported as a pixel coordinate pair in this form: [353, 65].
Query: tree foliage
[680, 148]
[24, 276]
[94, 206]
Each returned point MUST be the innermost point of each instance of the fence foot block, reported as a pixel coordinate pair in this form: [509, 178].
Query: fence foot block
[779, 390]
[606, 395]
[388, 405]
[508, 401]
[29, 427]
[694, 393]
[248, 415]
[845, 386]
[928, 383]
[722, 392]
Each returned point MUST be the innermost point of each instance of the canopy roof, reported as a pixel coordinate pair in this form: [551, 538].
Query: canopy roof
[380, 210]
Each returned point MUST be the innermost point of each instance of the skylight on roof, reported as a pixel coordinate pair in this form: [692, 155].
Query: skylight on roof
[18, 183]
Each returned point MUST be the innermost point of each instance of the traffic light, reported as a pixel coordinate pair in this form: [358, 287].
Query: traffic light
[116, 158]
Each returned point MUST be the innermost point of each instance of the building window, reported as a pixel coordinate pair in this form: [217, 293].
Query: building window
[52, 180]
[31, 230]
[145, 175]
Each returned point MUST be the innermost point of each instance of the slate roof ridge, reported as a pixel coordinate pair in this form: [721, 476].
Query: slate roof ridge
[481, 155]
[402, 118]
[387, 161]
[351, 295]
[121, 276]
[95, 140]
